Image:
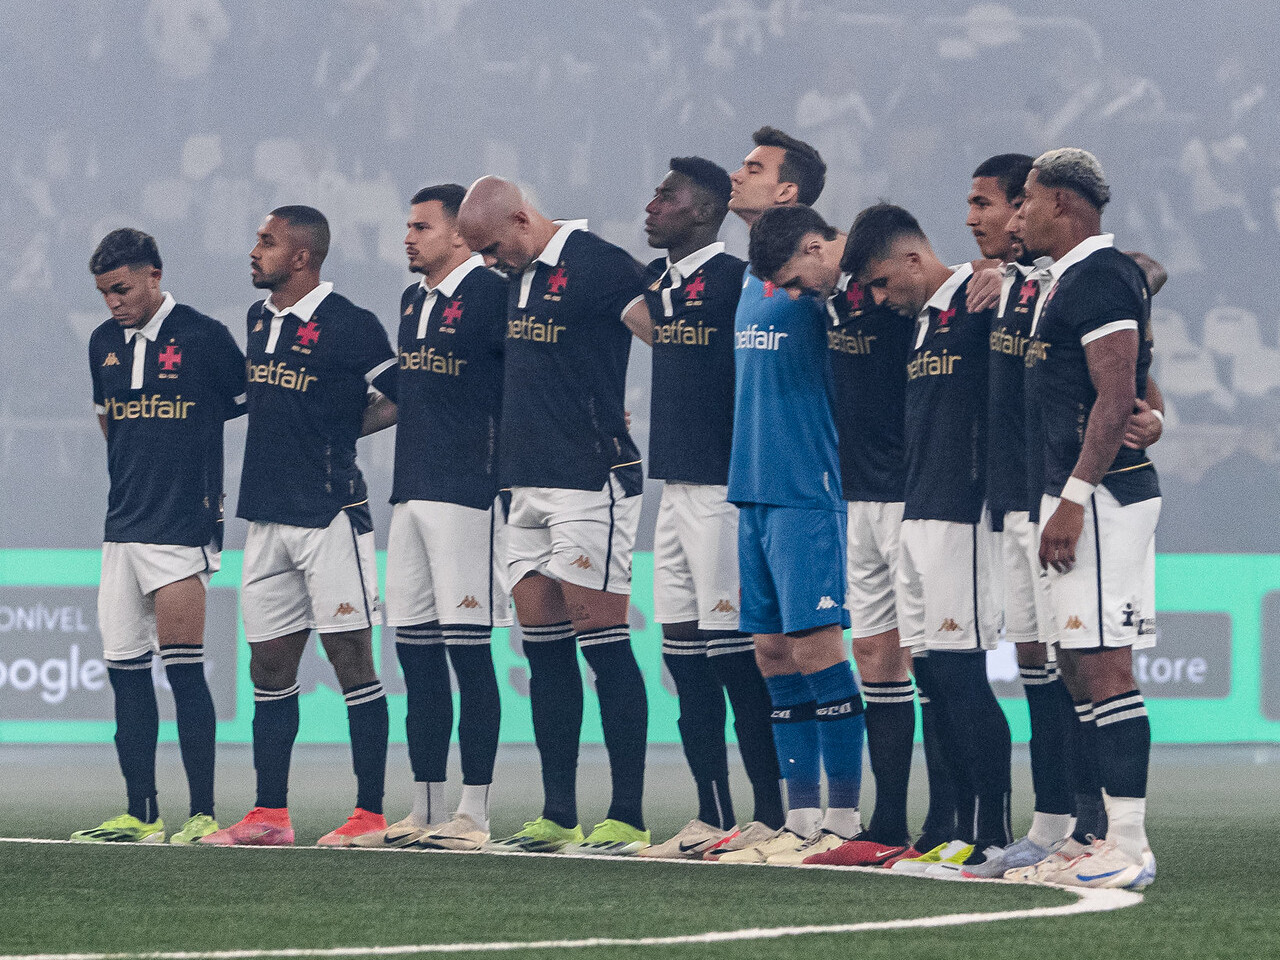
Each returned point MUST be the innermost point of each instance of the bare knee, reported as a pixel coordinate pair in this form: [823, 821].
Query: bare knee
[180, 612]
[881, 658]
[538, 601]
[351, 654]
[594, 609]
[1031, 654]
[1106, 673]
[273, 664]
[773, 654]
[819, 649]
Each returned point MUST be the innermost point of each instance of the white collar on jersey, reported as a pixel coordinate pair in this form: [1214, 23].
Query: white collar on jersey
[1085, 248]
[682, 270]
[842, 284]
[151, 329]
[449, 284]
[686, 267]
[305, 307]
[550, 254]
[941, 298]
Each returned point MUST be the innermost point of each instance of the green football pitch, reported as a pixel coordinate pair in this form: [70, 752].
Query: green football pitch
[1210, 808]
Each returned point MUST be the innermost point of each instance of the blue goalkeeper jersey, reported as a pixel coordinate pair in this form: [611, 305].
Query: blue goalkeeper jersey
[785, 451]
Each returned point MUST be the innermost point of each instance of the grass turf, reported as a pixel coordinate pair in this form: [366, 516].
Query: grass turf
[1212, 897]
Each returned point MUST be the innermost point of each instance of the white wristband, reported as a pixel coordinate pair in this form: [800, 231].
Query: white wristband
[1158, 414]
[1077, 491]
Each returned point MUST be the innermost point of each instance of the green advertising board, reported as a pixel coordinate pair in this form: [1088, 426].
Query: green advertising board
[1214, 677]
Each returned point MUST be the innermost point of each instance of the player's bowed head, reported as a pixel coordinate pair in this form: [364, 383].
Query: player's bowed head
[500, 223]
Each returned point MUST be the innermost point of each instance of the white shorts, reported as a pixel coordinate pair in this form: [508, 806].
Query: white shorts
[1025, 584]
[1108, 599]
[131, 575]
[447, 563]
[874, 531]
[948, 586]
[695, 557]
[308, 578]
[583, 537]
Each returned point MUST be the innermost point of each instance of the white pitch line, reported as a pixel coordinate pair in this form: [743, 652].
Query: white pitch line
[1089, 901]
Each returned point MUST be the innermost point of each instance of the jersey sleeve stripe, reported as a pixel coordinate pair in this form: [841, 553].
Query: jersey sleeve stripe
[1107, 329]
[373, 374]
[627, 308]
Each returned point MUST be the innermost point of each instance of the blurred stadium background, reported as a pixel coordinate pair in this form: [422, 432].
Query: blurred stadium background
[191, 118]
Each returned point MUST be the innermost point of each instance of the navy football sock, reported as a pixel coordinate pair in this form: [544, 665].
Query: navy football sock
[982, 738]
[940, 820]
[749, 697]
[197, 723]
[479, 709]
[428, 719]
[624, 716]
[1049, 706]
[702, 719]
[795, 737]
[367, 721]
[1124, 744]
[137, 730]
[841, 731]
[891, 729]
[555, 701]
[275, 728]
[1082, 756]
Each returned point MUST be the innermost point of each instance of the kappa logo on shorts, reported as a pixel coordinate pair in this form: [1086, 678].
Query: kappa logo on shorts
[469, 602]
[949, 626]
[826, 603]
[344, 610]
[582, 563]
[112, 360]
[1127, 612]
[724, 606]
[1073, 623]
[1146, 626]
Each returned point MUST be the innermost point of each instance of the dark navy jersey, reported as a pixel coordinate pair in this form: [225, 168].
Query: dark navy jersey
[785, 451]
[868, 347]
[1007, 411]
[946, 424]
[164, 414]
[1096, 290]
[692, 304]
[563, 423]
[449, 388]
[310, 368]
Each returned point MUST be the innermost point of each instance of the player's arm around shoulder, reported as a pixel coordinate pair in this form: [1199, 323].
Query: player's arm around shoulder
[637, 319]
[226, 368]
[95, 375]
